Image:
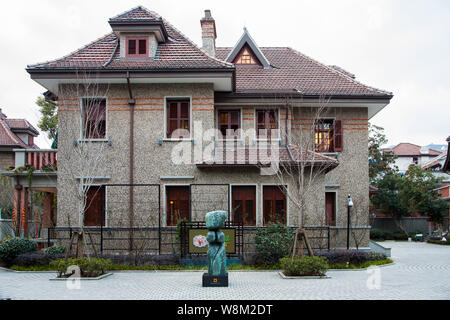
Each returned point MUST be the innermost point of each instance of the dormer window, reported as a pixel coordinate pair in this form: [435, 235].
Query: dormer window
[246, 56]
[137, 47]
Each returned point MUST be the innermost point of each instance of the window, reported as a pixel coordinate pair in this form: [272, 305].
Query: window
[330, 208]
[229, 123]
[178, 119]
[94, 118]
[94, 210]
[267, 124]
[137, 47]
[274, 205]
[416, 160]
[244, 205]
[178, 204]
[328, 135]
[246, 56]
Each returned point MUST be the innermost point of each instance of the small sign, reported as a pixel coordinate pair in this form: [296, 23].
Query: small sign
[198, 243]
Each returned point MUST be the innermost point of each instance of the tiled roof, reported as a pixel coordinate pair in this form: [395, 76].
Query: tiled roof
[7, 137]
[292, 70]
[264, 156]
[409, 149]
[138, 13]
[21, 124]
[178, 52]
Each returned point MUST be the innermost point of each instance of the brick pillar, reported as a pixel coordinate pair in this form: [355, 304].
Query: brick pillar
[48, 220]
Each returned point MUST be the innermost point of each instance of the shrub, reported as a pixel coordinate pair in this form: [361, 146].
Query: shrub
[351, 256]
[273, 242]
[305, 266]
[92, 267]
[11, 248]
[445, 243]
[55, 250]
[377, 234]
[32, 259]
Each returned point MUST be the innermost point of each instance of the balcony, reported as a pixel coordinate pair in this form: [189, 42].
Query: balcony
[44, 163]
[40, 159]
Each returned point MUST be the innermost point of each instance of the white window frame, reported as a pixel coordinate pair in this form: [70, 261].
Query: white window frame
[82, 138]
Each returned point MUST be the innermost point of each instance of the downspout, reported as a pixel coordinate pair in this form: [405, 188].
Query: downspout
[131, 103]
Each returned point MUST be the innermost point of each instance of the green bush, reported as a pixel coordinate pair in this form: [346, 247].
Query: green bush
[89, 267]
[11, 248]
[273, 242]
[55, 250]
[377, 234]
[445, 243]
[305, 266]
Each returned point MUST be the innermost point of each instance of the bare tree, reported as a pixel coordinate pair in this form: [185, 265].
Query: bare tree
[305, 168]
[85, 159]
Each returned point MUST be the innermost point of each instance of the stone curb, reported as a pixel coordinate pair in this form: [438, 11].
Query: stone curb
[364, 269]
[302, 277]
[83, 279]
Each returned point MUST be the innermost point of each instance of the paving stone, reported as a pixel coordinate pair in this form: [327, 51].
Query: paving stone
[420, 272]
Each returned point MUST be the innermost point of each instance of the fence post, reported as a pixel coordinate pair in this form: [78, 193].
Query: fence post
[328, 238]
[101, 239]
[48, 237]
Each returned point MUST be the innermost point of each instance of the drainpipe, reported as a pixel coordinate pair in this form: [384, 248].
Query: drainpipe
[131, 103]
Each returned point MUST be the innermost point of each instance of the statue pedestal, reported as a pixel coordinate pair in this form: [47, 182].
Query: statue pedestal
[215, 281]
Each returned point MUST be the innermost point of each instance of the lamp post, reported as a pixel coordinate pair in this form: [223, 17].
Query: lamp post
[349, 205]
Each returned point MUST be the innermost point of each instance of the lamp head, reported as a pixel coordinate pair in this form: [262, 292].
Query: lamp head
[350, 201]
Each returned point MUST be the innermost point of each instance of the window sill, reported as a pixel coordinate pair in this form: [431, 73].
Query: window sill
[268, 140]
[93, 140]
[177, 139]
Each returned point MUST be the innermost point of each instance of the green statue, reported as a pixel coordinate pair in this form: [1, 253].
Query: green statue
[217, 257]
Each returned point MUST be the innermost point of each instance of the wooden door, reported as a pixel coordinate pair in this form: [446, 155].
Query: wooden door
[330, 208]
[274, 205]
[94, 211]
[177, 204]
[244, 204]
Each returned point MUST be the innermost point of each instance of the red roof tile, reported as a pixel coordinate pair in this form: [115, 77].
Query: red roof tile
[264, 156]
[293, 70]
[178, 52]
[7, 137]
[409, 149]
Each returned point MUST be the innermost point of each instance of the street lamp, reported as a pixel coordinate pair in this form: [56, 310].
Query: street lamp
[349, 205]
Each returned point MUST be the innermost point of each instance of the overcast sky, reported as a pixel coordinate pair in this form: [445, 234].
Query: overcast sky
[399, 46]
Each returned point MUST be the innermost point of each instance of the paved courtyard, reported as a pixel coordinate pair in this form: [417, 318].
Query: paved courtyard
[421, 271]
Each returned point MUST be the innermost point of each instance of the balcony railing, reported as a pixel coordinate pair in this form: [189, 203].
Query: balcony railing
[37, 158]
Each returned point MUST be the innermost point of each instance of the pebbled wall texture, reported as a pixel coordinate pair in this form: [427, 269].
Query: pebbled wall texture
[153, 159]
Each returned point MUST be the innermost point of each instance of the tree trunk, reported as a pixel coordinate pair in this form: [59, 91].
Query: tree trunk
[80, 245]
[399, 225]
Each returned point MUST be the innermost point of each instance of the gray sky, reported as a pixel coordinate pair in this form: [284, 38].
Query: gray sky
[400, 46]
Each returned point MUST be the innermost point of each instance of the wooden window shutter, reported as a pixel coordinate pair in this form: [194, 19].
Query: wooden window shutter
[338, 136]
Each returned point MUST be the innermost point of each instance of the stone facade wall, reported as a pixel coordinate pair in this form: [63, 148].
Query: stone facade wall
[153, 157]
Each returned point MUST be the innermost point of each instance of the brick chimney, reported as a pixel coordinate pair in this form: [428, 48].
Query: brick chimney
[209, 34]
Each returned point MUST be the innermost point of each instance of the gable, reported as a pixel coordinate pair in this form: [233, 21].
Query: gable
[246, 42]
[246, 57]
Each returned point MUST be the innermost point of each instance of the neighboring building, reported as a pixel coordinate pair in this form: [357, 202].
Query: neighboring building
[151, 88]
[14, 134]
[409, 154]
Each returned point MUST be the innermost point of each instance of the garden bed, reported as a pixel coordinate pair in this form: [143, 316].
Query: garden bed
[443, 243]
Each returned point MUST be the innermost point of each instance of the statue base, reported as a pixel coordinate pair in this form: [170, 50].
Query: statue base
[215, 281]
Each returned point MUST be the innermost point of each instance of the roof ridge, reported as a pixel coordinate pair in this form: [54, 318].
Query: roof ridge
[329, 68]
[140, 7]
[73, 52]
[11, 134]
[195, 46]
